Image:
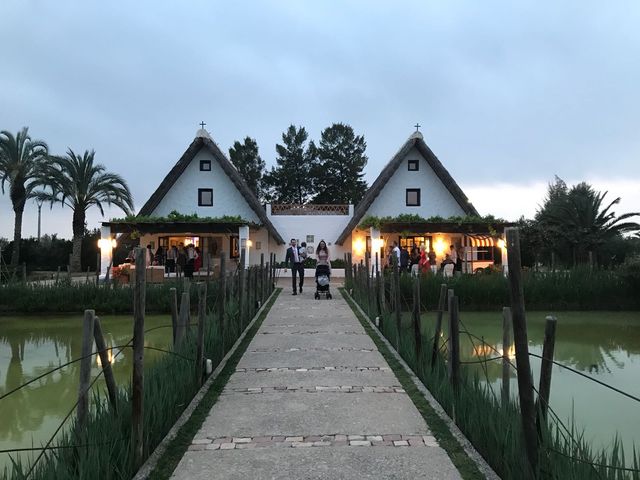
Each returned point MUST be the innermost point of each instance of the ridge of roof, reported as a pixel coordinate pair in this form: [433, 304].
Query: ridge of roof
[196, 145]
[390, 168]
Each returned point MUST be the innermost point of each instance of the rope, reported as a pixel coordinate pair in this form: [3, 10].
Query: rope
[621, 392]
[481, 361]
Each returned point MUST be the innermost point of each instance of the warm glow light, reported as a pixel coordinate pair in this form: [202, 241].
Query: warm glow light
[107, 243]
[249, 243]
[501, 243]
[359, 246]
[377, 244]
[439, 246]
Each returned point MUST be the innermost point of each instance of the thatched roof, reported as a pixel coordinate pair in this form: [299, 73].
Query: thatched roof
[445, 177]
[204, 141]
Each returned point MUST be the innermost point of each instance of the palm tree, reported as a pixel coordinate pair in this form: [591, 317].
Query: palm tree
[75, 181]
[586, 221]
[21, 164]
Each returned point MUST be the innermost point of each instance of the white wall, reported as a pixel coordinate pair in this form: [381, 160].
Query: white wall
[435, 199]
[183, 195]
[322, 227]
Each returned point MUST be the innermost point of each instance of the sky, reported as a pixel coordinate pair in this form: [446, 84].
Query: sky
[509, 94]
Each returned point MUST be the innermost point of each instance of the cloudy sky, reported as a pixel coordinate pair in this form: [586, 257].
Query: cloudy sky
[508, 94]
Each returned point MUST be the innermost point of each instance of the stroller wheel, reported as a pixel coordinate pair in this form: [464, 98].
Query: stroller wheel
[329, 297]
[317, 296]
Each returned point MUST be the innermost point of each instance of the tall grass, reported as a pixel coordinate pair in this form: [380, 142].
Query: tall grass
[67, 297]
[577, 289]
[169, 386]
[493, 428]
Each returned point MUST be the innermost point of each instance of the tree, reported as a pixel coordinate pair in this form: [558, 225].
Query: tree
[581, 219]
[75, 181]
[247, 161]
[291, 181]
[341, 161]
[21, 163]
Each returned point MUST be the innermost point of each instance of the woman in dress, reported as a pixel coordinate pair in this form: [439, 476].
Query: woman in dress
[322, 255]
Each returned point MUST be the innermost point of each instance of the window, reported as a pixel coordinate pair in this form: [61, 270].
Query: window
[205, 197]
[205, 165]
[413, 197]
[414, 166]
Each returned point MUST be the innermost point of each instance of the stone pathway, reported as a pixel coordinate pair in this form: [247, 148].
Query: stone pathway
[312, 398]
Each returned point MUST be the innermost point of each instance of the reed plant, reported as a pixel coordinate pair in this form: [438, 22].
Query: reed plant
[103, 450]
[493, 427]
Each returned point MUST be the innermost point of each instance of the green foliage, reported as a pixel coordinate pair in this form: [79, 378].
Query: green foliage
[630, 272]
[175, 216]
[377, 222]
[291, 181]
[250, 166]
[341, 158]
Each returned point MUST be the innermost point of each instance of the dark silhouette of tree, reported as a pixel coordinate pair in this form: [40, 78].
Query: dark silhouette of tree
[338, 176]
[247, 161]
[291, 180]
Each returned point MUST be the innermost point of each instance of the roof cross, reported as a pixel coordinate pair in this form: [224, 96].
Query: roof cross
[417, 125]
[202, 124]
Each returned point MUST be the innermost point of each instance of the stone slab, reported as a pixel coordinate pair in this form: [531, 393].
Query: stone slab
[348, 463]
[311, 378]
[249, 415]
[315, 340]
[314, 358]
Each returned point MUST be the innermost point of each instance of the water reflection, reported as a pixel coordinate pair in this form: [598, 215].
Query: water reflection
[604, 345]
[31, 346]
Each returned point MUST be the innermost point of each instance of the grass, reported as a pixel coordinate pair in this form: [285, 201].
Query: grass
[104, 447]
[492, 427]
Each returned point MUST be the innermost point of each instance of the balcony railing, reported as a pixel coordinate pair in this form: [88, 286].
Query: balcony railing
[309, 209]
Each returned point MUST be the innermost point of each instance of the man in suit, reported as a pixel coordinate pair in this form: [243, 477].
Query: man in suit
[293, 256]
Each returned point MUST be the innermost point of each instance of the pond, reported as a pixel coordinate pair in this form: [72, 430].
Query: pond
[31, 346]
[603, 345]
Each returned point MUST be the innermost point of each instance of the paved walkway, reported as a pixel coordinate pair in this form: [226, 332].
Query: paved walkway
[313, 398]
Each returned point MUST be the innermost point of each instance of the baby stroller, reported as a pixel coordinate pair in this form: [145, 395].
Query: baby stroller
[323, 278]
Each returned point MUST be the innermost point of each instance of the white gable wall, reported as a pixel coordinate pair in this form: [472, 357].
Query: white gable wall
[435, 199]
[183, 195]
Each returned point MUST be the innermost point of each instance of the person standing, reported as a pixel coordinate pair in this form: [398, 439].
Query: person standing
[181, 259]
[396, 252]
[293, 257]
[172, 255]
[433, 263]
[414, 261]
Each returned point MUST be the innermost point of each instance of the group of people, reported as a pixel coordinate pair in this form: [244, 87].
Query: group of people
[295, 257]
[180, 258]
[421, 261]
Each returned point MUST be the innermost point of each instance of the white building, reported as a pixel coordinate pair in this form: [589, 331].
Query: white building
[204, 182]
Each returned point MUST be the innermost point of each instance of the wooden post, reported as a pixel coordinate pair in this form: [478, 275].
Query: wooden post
[525, 380]
[103, 351]
[417, 335]
[546, 368]
[98, 268]
[396, 299]
[85, 369]
[183, 317]
[454, 342]
[367, 257]
[202, 312]
[222, 296]
[261, 278]
[241, 287]
[436, 335]
[506, 346]
[137, 383]
[173, 303]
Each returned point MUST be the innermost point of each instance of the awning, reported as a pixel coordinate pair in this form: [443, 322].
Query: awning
[482, 241]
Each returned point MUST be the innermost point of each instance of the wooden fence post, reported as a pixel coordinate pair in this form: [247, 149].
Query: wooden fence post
[367, 256]
[261, 278]
[173, 303]
[454, 342]
[436, 335]
[544, 391]
[506, 347]
[417, 335]
[137, 383]
[85, 370]
[183, 317]
[222, 297]
[525, 380]
[109, 379]
[241, 287]
[202, 312]
[98, 268]
[397, 304]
